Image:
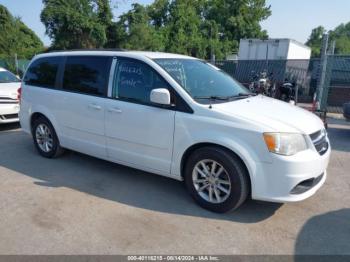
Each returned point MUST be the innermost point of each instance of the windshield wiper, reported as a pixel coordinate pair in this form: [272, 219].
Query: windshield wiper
[212, 97]
[242, 95]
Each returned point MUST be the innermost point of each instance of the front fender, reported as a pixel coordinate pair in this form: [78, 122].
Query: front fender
[245, 142]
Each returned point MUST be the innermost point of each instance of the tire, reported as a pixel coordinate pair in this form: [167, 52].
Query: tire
[43, 131]
[234, 174]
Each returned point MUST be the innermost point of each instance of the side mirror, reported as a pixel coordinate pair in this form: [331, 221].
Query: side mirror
[160, 96]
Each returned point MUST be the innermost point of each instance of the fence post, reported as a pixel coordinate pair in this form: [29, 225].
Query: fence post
[323, 67]
[16, 63]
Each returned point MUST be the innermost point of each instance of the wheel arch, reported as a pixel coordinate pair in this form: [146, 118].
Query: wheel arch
[34, 117]
[37, 114]
[196, 146]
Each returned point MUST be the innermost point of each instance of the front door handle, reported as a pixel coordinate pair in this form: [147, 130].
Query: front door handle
[115, 110]
[94, 106]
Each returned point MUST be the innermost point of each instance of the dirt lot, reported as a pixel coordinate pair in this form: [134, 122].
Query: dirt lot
[81, 205]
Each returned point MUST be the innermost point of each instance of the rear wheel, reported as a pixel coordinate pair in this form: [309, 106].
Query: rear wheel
[216, 179]
[45, 138]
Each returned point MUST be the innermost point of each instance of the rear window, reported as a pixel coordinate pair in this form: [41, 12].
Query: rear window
[42, 72]
[87, 74]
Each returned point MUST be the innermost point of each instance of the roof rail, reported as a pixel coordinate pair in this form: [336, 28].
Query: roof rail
[90, 49]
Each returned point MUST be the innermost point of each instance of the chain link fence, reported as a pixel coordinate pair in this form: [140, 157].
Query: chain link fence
[303, 73]
[16, 66]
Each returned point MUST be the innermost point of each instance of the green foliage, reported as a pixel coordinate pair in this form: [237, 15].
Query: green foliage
[76, 24]
[183, 26]
[315, 40]
[197, 27]
[341, 36]
[135, 31]
[237, 19]
[16, 38]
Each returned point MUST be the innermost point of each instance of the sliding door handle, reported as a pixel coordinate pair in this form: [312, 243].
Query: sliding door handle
[94, 106]
[114, 110]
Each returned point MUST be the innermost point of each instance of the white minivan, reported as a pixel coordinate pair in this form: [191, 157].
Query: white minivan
[175, 116]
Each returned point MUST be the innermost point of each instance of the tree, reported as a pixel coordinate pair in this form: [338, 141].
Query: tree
[315, 40]
[237, 19]
[76, 23]
[184, 29]
[105, 18]
[136, 32]
[197, 27]
[341, 36]
[16, 37]
[158, 12]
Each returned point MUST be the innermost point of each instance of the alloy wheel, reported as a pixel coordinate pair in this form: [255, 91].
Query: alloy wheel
[211, 181]
[44, 138]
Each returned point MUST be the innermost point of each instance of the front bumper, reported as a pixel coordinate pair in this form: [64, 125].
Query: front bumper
[290, 178]
[9, 113]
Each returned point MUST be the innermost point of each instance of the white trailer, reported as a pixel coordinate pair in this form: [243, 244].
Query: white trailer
[273, 49]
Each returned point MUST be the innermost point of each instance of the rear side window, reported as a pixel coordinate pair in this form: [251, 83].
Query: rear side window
[87, 74]
[42, 72]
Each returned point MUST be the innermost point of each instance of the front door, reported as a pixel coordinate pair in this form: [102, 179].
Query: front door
[137, 132]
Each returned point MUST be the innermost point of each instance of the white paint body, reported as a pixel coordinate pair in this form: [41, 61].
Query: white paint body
[9, 106]
[155, 139]
[256, 49]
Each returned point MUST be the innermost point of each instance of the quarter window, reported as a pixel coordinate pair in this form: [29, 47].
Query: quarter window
[43, 72]
[87, 74]
[134, 80]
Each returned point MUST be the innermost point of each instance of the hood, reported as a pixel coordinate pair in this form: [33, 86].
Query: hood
[275, 115]
[9, 89]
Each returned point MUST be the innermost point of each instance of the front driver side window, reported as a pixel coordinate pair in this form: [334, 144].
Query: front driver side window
[134, 80]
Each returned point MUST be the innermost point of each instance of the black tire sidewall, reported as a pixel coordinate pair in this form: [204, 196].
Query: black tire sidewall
[55, 143]
[235, 170]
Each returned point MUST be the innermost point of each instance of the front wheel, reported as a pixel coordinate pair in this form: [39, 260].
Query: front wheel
[216, 179]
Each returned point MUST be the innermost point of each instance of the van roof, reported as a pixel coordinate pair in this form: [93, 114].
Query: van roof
[151, 55]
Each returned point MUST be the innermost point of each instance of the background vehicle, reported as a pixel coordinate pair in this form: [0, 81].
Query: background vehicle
[287, 91]
[175, 116]
[9, 106]
[263, 84]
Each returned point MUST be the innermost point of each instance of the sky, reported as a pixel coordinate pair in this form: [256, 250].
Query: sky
[290, 18]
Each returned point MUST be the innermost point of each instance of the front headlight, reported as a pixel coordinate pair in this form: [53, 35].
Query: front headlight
[285, 143]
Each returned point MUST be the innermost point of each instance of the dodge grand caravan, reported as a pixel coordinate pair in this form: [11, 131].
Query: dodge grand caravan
[175, 116]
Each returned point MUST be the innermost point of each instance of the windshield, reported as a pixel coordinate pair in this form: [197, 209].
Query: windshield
[7, 77]
[203, 81]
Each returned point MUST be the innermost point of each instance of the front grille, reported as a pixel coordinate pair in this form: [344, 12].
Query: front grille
[319, 139]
